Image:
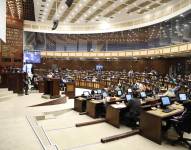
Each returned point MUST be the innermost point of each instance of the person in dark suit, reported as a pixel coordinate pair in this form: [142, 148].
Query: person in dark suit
[185, 113]
[132, 113]
[26, 83]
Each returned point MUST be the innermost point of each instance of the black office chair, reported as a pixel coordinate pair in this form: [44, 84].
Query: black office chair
[131, 117]
[183, 125]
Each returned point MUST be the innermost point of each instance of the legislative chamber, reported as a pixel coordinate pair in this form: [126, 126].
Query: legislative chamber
[95, 74]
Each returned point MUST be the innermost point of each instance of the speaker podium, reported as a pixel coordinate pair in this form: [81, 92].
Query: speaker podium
[51, 88]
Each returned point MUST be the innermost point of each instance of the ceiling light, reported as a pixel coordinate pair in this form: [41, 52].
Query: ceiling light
[105, 25]
[69, 3]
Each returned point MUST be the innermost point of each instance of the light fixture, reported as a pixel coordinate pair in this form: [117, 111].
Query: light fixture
[69, 3]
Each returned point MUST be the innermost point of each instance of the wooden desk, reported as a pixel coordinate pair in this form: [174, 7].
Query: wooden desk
[19, 84]
[89, 84]
[15, 82]
[113, 114]
[80, 104]
[51, 87]
[41, 86]
[93, 108]
[151, 122]
[11, 80]
[115, 111]
[3, 80]
[70, 89]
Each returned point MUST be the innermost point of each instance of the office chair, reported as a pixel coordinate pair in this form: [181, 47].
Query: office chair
[131, 117]
[183, 125]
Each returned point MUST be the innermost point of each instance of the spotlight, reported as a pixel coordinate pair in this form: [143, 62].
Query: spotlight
[69, 2]
[55, 24]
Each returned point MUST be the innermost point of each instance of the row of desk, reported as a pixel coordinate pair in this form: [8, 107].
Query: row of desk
[51, 86]
[150, 120]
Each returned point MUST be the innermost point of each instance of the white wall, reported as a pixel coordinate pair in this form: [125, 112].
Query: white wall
[3, 20]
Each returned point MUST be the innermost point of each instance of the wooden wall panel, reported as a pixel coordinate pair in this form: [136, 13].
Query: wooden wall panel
[11, 52]
[162, 65]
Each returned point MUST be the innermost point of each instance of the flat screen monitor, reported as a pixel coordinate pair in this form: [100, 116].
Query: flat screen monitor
[143, 94]
[105, 94]
[128, 97]
[86, 93]
[99, 91]
[183, 97]
[32, 57]
[165, 101]
[119, 93]
[129, 90]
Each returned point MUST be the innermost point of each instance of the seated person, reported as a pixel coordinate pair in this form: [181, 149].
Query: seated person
[186, 113]
[170, 93]
[92, 92]
[94, 79]
[149, 91]
[133, 112]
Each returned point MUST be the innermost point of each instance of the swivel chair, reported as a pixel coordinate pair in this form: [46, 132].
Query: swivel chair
[183, 125]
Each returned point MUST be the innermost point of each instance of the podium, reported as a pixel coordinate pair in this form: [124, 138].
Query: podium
[11, 81]
[41, 86]
[19, 83]
[3, 80]
[70, 89]
[52, 87]
[15, 82]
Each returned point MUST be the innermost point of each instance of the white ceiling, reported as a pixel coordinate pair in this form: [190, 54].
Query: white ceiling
[95, 11]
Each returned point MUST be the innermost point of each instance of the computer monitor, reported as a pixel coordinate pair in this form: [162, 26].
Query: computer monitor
[86, 93]
[129, 90]
[143, 95]
[105, 94]
[165, 101]
[183, 97]
[119, 93]
[99, 91]
[128, 97]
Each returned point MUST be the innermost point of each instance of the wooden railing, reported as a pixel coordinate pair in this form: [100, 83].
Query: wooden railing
[90, 85]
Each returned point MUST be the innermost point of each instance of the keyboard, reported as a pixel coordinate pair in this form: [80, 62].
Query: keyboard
[167, 110]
